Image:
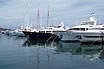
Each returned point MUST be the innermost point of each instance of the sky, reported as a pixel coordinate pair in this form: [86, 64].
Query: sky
[14, 13]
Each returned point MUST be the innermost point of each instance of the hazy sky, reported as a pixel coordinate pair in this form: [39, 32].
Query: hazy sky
[14, 13]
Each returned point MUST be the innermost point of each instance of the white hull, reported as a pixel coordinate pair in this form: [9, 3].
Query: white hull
[82, 36]
[92, 37]
[10, 33]
[67, 36]
[19, 33]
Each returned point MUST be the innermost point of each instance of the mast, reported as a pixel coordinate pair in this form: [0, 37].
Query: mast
[48, 14]
[27, 27]
[38, 21]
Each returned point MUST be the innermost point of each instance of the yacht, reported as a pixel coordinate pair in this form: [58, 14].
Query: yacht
[19, 33]
[46, 34]
[73, 33]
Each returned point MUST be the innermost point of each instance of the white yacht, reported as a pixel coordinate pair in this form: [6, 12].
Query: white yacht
[19, 33]
[73, 34]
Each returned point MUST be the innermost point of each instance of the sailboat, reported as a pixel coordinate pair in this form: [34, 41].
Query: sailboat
[45, 34]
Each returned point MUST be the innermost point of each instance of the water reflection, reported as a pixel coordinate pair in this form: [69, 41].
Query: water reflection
[34, 43]
[22, 53]
[87, 51]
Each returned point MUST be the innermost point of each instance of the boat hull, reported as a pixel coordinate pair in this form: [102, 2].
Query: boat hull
[19, 33]
[92, 37]
[41, 36]
[67, 36]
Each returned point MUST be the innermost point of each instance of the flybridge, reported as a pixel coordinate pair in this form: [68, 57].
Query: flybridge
[92, 21]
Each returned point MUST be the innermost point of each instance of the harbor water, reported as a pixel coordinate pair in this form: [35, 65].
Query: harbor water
[22, 53]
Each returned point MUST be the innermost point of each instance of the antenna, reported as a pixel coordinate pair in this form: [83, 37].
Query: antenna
[92, 18]
[92, 14]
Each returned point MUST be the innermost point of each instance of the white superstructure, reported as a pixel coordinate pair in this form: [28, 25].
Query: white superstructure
[53, 29]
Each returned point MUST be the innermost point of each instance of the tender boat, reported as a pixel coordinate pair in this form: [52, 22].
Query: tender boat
[19, 33]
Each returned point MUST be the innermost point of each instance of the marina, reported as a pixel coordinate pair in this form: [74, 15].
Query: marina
[86, 32]
[53, 47]
[51, 34]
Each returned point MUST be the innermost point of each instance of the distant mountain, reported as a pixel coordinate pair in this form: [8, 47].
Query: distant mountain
[3, 29]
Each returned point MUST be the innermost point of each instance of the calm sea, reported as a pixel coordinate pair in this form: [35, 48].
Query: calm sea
[21, 53]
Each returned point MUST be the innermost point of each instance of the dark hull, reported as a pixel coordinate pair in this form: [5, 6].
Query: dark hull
[41, 36]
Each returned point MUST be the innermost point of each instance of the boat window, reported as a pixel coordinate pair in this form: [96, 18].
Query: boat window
[102, 28]
[59, 26]
[91, 26]
[80, 29]
[48, 31]
[70, 29]
[74, 29]
[96, 29]
[92, 36]
[41, 31]
[50, 28]
[86, 28]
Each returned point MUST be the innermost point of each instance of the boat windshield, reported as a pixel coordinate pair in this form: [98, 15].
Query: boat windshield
[88, 23]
